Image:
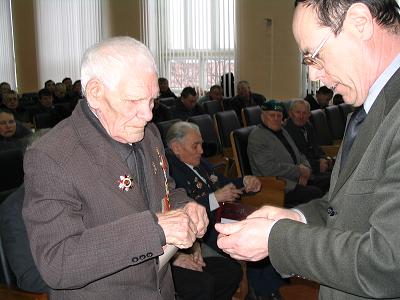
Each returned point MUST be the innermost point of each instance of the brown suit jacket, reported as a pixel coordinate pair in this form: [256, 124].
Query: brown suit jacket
[89, 238]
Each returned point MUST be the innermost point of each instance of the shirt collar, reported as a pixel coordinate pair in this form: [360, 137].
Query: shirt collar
[380, 83]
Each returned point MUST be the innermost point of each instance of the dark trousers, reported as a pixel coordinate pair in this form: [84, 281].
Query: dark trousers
[218, 281]
[302, 194]
[263, 278]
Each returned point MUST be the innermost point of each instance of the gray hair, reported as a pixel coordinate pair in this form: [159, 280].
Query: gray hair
[299, 101]
[107, 59]
[178, 131]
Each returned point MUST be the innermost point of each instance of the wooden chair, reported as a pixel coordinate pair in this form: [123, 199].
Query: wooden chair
[212, 107]
[324, 136]
[335, 122]
[163, 128]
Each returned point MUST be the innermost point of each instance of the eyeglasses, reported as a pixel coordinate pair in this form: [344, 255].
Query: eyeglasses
[311, 60]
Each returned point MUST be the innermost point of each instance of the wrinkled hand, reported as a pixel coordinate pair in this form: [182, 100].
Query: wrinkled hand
[303, 181]
[197, 254]
[304, 171]
[275, 213]
[251, 184]
[178, 228]
[198, 215]
[245, 240]
[323, 165]
[186, 261]
[228, 193]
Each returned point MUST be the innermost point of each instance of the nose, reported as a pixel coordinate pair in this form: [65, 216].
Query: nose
[145, 112]
[314, 74]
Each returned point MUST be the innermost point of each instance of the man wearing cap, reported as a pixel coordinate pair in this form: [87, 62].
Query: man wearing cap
[272, 152]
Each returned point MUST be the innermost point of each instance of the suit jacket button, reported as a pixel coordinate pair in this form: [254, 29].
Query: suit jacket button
[149, 254]
[135, 259]
[142, 257]
[331, 211]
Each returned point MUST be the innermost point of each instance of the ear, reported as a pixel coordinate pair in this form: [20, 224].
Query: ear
[176, 148]
[94, 93]
[359, 18]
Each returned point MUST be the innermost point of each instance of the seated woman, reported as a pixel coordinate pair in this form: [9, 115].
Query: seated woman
[11, 132]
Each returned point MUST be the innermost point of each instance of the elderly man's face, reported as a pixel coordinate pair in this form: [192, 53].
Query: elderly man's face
[342, 56]
[191, 149]
[300, 114]
[7, 125]
[272, 119]
[190, 101]
[126, 109]
[10, 101]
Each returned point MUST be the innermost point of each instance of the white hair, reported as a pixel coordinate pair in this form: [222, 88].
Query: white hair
[178, 131]
[107, 60]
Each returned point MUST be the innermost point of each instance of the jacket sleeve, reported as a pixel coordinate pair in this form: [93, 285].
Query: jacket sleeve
[68, 253]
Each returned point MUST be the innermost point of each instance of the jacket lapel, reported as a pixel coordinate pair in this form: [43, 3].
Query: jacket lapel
[381, 107]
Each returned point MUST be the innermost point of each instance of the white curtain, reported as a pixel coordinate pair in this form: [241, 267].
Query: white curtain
[193, 41]
[65, 29]
[7, 61]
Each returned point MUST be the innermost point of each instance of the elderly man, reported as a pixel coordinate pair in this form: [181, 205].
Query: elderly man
[272, 152]
[100, 207]
[215, 94]
[211, 189]
[303, 134]
[350, 243]
[245, 98]
[186, 106]
[11, 103]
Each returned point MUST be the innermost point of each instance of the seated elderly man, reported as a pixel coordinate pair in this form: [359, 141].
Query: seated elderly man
[272, 152]
[11, 103]
[210, 189]
[215, 94]
[303, 134]
[186, 106]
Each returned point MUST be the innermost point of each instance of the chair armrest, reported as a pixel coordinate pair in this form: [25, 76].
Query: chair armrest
[331, 150]
[272, 193]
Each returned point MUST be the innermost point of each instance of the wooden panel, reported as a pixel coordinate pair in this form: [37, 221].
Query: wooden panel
[10, 293]
[272, 193]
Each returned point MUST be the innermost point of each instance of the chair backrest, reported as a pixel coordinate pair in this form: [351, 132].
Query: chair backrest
[226, 122]
[345, 109]
[335, 121]
[207, 129]
[226, 104]
[212, 107]
[240, 139]
[170, 101]
[163, 128]
[43, 120]
[251, 115]
[12, 171]
[320, 123]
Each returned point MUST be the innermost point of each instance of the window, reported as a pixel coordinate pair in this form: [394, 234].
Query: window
[7, 61]
[65, 29]
[192, 41]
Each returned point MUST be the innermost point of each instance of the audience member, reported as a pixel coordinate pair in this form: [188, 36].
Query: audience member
[60, 93]
[45, 105]
[272, 152]
[215, 94]
[323, 96]
[165, 91]
[11, 132]
[68, 85]
[186, 106]
[210, 189]
[100, 237]
[245, 98]
[11, 103]
[303, 134]
[337, 99]
[50, 85]
[76, 94]
[4, 87]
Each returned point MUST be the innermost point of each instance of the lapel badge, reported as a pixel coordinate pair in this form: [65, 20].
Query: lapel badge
[198, 182]
[213, 178]
[154, 167]
[125, 183]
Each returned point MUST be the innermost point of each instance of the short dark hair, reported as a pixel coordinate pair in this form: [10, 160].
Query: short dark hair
[162, 80]
[65, 79]
[44, 92]
[325, 90]
[216, 87]
[332, 13]
[188, 91]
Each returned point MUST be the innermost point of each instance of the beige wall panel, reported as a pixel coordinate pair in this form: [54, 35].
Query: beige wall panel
[124, 18]
[25, 45]
[268, 56]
